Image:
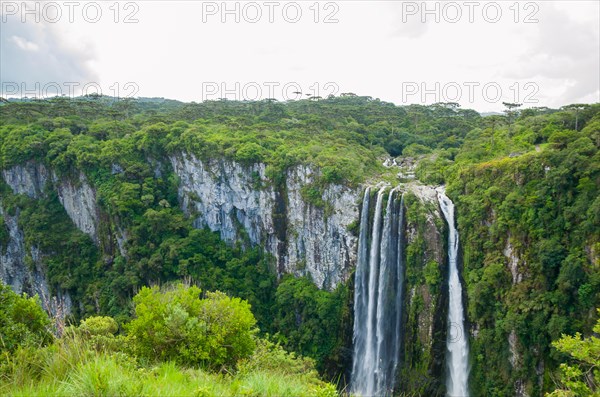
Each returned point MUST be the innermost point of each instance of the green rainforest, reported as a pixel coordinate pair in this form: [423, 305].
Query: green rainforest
[156, 247]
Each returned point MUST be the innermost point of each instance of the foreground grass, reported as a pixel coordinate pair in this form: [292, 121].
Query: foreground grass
[104, 375]
[164, 353]
[73, 370]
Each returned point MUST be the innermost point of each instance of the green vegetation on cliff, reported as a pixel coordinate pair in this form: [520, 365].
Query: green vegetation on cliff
[529, 230]
[526, 187]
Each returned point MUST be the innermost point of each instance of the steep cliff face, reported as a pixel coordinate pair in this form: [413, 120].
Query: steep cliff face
[13, 268]
[318, 236]
[240, 203]
[77, 196]
[79, 200]
[426, 300]
[237, 201]
[515, 265]
[29, 179]
[22, 267]
[223, 196]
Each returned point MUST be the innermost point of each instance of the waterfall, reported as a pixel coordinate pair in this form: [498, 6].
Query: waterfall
[378, 296]
[360, 291]
[457, 358]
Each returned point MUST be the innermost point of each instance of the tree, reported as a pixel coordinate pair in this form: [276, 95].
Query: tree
[511, 114]
[250, 152]
[491, 122]
[577, 107]
[309, 320]
[581, 378]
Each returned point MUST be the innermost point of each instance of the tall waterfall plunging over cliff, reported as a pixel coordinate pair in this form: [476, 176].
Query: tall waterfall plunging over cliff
[456, 342]
[378, 296]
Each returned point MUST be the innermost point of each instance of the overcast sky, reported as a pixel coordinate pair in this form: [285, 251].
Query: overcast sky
[476, 53]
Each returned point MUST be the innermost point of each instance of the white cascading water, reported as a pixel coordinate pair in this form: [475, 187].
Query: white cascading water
[361, 295]
[378, 297]
[458, 349]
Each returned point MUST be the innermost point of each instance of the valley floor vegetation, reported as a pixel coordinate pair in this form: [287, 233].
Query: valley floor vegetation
[180, 342]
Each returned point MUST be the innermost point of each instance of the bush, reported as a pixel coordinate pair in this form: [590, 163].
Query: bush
[99, 332]
[310, 321]
[99, 325]
[23, 322]
[311, 194]
[270, 356]
[175, 324]
[433, 276]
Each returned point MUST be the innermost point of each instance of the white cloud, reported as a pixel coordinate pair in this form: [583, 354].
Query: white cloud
[37, 55]
[565, 52]
[24, 44]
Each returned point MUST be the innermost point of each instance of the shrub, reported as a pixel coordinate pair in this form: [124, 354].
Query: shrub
[312, 194]
[23, 322]
[433, 276]
[99, 325]
[270, 356]
[175, 324]
[99, 332]
[4, 235]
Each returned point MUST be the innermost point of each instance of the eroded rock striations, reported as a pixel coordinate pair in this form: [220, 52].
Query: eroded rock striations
[239, 202]
[236, 200]
[22, 267]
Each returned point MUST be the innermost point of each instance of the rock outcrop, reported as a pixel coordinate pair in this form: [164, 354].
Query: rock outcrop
[77, 196]
[240, 203]
[22, 267]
